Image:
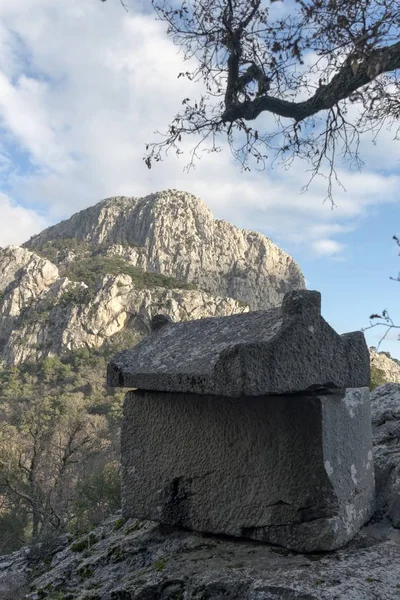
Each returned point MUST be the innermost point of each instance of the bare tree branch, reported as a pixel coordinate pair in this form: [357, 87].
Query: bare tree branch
[342, 85]
[306, 69]
[386, 320]
[122, 4]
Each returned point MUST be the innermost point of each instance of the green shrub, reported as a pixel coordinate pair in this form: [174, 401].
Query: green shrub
[116, 554]
[31, 316]
[90, 270]
[160, 565]
[84, 543]
[119, 523]
[57, 250]
[134, 527]
[377, 377]
[85, 572]
[75, 296]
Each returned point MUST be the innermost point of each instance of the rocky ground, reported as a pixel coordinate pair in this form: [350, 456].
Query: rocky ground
[140, 560]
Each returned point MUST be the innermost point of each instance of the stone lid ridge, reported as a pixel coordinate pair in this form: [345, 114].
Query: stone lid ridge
[286, 349]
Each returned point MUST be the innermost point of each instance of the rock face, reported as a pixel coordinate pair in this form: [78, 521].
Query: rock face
[174, 233]
[42, 313]
[24, 279]
[389, 366]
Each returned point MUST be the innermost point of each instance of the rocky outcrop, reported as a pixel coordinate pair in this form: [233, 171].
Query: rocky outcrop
[24, 278]
[174, 233]
[389, 366]
[385, 411]
[138, 560]
[42, 313]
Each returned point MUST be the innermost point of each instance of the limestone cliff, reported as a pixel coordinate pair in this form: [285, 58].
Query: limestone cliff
[111, 267]
[389, 366]
[43, 313]
[174, 233]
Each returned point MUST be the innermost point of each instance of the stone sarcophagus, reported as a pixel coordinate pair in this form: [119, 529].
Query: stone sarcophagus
[255, 425]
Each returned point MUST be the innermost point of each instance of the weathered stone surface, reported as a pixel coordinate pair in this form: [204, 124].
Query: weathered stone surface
[297, 473]
[385, 410]
[140, 561]
[282, 350]
[24, 277]
[174, 233]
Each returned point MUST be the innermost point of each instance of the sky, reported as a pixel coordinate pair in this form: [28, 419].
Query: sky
[83, 87]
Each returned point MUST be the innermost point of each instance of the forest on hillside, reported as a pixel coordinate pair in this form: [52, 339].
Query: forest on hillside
[59, 446]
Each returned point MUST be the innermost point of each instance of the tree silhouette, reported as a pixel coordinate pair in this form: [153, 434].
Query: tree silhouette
[326, 71]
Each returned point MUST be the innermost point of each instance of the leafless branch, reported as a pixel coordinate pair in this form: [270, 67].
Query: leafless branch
[306, 70]
[122, 4]
[386, 320]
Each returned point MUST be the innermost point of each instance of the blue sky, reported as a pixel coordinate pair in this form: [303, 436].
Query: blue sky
[83, 86]
[359, 283]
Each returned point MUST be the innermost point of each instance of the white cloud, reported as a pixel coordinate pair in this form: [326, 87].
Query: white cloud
[17, 224]
[326, 247]
[23, 114]
[86, 89]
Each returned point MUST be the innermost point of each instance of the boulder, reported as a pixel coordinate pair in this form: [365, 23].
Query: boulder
[385, 412]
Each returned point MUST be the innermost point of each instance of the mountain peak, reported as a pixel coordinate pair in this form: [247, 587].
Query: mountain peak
[110, 268]
[173, 232]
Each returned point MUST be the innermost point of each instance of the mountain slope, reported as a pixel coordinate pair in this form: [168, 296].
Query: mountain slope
[113, 266]
[174, 233]
[44, 312]
[389, 367]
